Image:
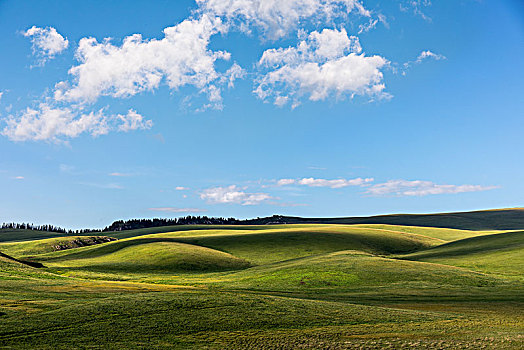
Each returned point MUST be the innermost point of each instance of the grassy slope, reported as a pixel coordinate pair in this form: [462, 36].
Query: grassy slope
[206, 228]
[444, 234]
[498, 219]
[346, 270]
[303, 293]
[334, 261]
[187, 319]
[157, 257]
[40, 312]
[270, 245]
[46, 245]
[501, 254]
[7, 235]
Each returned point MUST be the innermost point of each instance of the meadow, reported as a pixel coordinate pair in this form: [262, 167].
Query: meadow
[303, 286]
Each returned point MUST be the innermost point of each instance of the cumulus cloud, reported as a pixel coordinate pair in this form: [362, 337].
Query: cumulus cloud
[56, 123]
[47, 42]
[276, 18]
[323, 64]
[180, 58]
[178, 210]
[233, 194]
[336, 183]
[420, 188]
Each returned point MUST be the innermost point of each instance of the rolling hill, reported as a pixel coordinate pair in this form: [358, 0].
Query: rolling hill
[496, 219]
[282, 286]
[501, 254]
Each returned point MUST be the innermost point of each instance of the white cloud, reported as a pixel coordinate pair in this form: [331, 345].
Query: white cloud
[276, 18]
[56, 123]
[181, 188]
[110, 186]
[48, 123]
[336, 183]
[179, 59]
[417, 6]
[232, 74]
[420, 188]
[1, 94]
[424, 55]
[285, 182]
[428, 54]
[325, 63]
[233, 194]
[133, 121]
[47, 42]
[372, 23]
[178, 210]
[366, 27]
[18, 178]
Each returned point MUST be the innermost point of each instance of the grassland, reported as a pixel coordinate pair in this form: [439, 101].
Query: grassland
[315, 286]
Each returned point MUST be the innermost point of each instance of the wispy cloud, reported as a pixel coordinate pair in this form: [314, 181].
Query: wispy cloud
[117, 174]
[178, 210]
[417, 6]
[18, 177]
[335, 183]
[424, 55]
[428, 54]
[181, 188]
[420, 188]
[233, 194]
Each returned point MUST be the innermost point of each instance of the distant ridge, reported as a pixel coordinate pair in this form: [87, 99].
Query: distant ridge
[495, 219]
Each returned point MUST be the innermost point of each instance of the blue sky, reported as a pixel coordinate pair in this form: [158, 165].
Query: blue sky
[253, 108]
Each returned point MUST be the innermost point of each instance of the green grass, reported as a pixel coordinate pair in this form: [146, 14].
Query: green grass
[497, 219]
[181, 229]
[501, 254]
[270, 245]
[8, 235]
[156, 257]
[41, 246]
[268, 287]
[445, 234]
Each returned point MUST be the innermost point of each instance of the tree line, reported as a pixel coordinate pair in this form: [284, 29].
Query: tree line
[133, 224]
[46, 228]
[121, 225]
